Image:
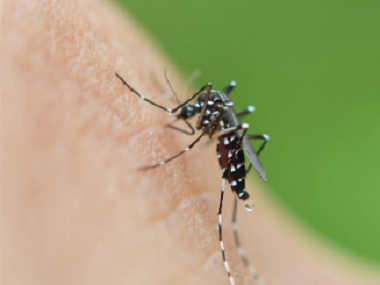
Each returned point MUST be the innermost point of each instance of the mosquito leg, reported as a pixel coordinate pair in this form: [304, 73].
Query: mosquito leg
[248, 110]
[180, 153]
[192, 98]
[252, 270]
[266, 138]
[227, 90]
[249, 168]
[232, 281]
[142, 96]
[224, 132]
[258, 137]
[182, 130]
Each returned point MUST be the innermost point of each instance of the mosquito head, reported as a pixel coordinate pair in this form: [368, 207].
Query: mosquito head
[186, 112]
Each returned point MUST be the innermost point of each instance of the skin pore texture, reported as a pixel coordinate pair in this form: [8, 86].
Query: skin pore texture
[74, 209]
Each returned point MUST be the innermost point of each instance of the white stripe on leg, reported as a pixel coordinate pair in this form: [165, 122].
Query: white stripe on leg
[252, 270]
[232, 281]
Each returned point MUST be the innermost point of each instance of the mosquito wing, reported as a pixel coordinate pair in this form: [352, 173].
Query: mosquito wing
[251, 153]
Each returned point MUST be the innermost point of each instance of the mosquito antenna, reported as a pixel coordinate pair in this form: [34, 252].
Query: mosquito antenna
[166, 94]
[171, 87]
[191, 79]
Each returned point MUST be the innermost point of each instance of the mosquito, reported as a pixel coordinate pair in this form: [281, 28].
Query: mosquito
[217, 119]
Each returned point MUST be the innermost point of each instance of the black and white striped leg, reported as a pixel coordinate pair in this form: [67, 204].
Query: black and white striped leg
[248, 110]
[182, 130]
[266, 138]
[171, 111]
[252, 270]
[180, 153]
[191, 99]
[227, 90]
[142, 96]
[232, 281]
[227, 131]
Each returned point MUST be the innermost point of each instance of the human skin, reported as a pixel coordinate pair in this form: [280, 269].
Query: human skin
[74, 208]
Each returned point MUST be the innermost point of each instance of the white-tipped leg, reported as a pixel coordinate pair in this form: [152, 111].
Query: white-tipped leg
[265, 138]
[224, 132]
[179, 154]
[252, 270]
[248, 110]
[227, 90]
[142, 96]
[232, 281]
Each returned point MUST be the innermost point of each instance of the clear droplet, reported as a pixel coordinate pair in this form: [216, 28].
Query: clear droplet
[248, 205]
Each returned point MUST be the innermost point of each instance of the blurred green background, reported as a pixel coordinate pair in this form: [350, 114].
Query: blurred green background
[312, 69]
